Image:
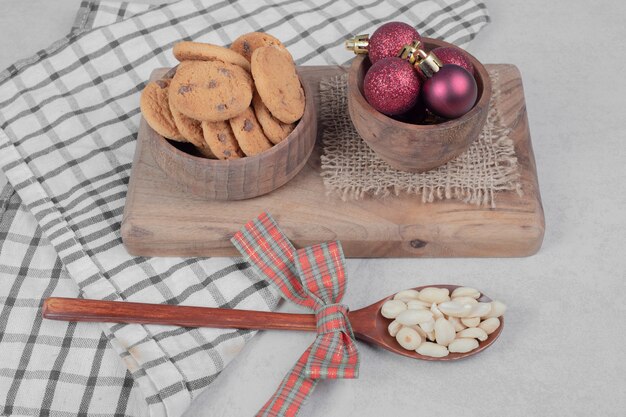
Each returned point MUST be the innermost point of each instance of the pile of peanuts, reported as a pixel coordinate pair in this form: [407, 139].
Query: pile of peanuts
[434, 322]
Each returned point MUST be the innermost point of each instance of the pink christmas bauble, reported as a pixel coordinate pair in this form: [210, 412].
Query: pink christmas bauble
[391, 86]
[388, 40]
[451, 92]
[456, 56]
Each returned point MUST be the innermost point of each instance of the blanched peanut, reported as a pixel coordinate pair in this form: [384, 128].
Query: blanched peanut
[444, 332]
[480, 310]
[428, 326]
[393, 328]
[412, 317]
[419, 331]
[407, 295]
[473, 333]
[490, 325]
[392, 308]
[434, 295]
[417, 305]
[432, 349]
[465, 300]
[436, 313]
[497, 309]
[465, 292]
[471, 321]
[454, 309]
[456, 322]
[462, 345]
[408, 338]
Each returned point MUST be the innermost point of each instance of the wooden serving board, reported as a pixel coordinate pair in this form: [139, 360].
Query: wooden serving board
[161, 219]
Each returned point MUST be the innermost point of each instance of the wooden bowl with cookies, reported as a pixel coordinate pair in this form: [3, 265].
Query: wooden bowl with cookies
[230, 124]
[413, 147]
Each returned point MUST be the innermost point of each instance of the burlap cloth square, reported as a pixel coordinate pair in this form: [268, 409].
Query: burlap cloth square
[351, 170]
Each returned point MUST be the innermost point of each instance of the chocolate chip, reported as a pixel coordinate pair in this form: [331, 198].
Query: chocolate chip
[161, 83]
[220, 107]
[221, 137]
[226, 152]
[246, 47]
[212, 84]
[225, 71]
[184, 89]
[247, 125]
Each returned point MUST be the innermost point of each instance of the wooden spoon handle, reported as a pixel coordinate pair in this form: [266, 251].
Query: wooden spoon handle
[74, 309]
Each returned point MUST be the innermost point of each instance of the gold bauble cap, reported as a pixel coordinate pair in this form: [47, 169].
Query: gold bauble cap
[358, 44]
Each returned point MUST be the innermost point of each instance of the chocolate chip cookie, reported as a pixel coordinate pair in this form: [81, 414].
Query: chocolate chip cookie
[246, 44]
[274, 129]
[154, 104]
[221, 141]
[249, 133]
[277, 83]
[189, 128]
[196, 51]
[210, 91]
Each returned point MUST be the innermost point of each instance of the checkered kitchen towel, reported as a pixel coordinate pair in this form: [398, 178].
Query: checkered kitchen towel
[68, 120]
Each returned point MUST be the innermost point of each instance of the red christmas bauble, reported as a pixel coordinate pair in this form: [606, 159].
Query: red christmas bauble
[451, 92]
[391, 86]
[389, 39]
[456, 56]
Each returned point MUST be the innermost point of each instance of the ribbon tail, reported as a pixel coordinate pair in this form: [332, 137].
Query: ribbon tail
[267, 249]
[292, 392]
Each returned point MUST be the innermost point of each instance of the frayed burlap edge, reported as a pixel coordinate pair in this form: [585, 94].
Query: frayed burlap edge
[351, 170]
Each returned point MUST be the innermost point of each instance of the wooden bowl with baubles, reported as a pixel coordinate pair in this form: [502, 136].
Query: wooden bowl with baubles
[415, 120]
[242, 122]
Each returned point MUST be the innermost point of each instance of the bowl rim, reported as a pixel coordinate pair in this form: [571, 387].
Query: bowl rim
[309, 105]
[479, 70]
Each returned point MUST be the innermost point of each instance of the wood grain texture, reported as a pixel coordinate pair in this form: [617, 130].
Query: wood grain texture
[410, 147]
[75, 309]
[161, 219]
[236, 179]
[367, 323]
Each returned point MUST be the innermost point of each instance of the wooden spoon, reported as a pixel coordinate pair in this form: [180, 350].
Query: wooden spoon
[367, 323]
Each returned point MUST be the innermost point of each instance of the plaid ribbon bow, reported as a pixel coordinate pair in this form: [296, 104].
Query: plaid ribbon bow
[314, 278]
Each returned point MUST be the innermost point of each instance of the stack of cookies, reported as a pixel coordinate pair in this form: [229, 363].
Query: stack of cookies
[228, 103]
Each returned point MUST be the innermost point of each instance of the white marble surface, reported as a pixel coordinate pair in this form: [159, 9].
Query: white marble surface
[561, 351]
